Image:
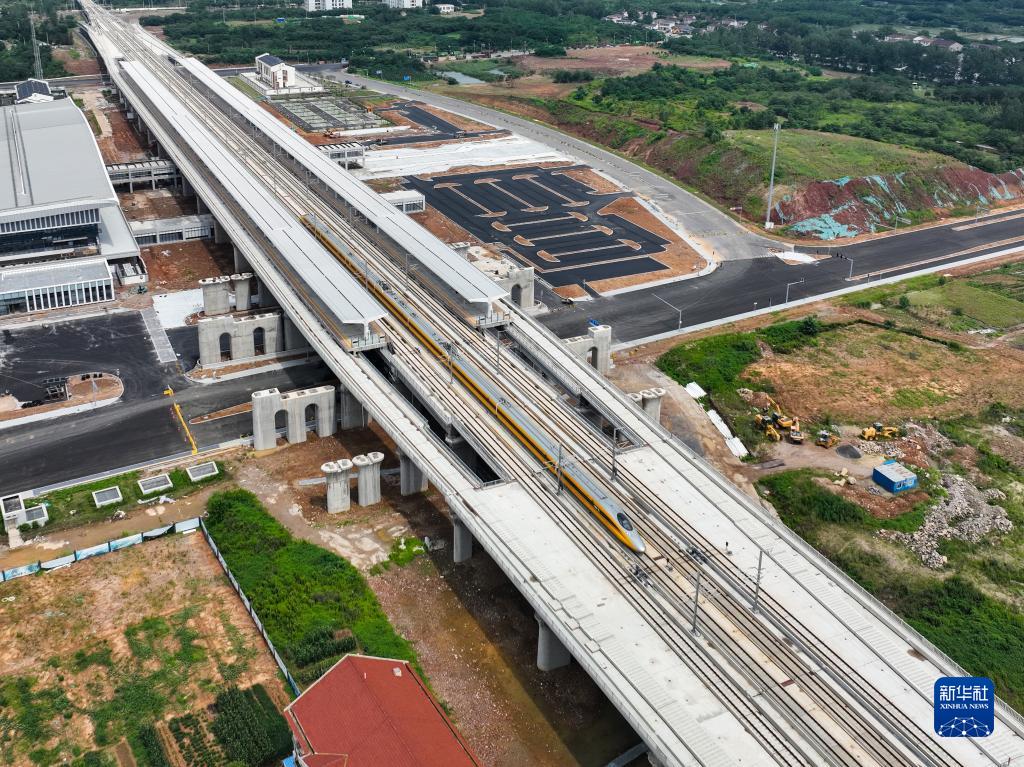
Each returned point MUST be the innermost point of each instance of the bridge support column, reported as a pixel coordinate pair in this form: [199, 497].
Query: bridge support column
[216, 295]
[595, 347]
[413, 480]
[265, 405]
[652, 402]
[219, 235]
[242, 285]
[297, 404]
[369, 477]
[551, 653]
[462, 547]
[292, 337]
[241, 265]
[350, 411]
[339, 497]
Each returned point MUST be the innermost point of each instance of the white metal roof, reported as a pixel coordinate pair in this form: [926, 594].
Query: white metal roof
[15, 279]
[448, 266]
[50, 158]
[339, 292]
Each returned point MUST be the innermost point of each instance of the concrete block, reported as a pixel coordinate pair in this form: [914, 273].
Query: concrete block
[339, 497]
[368, 480]
[210, 330]
[216, 295]
[297, 404]
[462, 548]
[551, 653]
[595, 347]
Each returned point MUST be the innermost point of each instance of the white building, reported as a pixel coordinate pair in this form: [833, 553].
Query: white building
[444, 8]
[403, 5]
[274, 72]
[313, 6]
[56, 200]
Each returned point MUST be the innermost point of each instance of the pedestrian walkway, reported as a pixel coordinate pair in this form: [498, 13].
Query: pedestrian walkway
[157, 334]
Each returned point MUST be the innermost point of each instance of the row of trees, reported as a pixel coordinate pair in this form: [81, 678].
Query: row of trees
[16, 57]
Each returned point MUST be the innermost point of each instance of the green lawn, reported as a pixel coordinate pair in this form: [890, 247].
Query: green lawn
[812, 156]
[989, 307]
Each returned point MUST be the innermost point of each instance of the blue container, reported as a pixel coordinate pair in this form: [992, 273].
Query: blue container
[894, 477]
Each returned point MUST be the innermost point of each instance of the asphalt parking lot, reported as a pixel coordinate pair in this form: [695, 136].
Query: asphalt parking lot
[439, 128]
[547, 220]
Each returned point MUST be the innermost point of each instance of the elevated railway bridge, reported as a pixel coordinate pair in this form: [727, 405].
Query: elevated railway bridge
[721, 636]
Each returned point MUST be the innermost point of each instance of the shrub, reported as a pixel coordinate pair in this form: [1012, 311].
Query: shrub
[147, 748]
[249, 728]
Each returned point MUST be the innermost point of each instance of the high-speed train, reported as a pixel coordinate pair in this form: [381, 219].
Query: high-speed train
[574, 477]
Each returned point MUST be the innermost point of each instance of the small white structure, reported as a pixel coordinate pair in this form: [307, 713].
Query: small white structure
[155, 484]
[403, 5]
[16, 513]
[407, 200]
[274, 72]
[107, 496]
[312, 6]
[444, 8]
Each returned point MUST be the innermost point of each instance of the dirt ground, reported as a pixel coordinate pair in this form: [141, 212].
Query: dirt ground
[118, 141]
[45, 619]
[152, 204]
[78, 59]
[475, 636]
[593, 179]
[441, 226]
[180, 265]
[891, 376]
[463, 123]
[611, 60]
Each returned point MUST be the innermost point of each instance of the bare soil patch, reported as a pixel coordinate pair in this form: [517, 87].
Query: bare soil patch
[92, 606]
[462, 123]
[441, 226]
[618, 60]
[79, 393]
[122, 144]
[860, 372]
[153, 204]
[180, 265]
[593, 179]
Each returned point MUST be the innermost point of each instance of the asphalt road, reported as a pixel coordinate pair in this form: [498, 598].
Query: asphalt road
[141, 427]
[737, 287]
[440, 129]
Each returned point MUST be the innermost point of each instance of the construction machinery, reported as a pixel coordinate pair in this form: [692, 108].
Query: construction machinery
[826, 439]
[878, 431]
[767, 425]
[795, 435]
[779, 418]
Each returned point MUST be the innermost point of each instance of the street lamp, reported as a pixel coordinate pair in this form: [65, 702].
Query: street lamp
[673, 307]
[792, 283]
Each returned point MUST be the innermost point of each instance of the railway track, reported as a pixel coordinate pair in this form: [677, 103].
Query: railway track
[794, 674]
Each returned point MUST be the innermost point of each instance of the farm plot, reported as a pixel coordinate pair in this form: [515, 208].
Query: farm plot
[144, 655]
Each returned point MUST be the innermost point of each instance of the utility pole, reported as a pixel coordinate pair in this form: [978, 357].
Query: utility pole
[771, 183]
[615, 453]
[792, 283]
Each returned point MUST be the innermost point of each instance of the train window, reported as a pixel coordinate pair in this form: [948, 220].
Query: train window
[624, 521]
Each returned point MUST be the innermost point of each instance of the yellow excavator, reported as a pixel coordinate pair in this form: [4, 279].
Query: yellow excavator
[767, 425]
[826, 439]
[879, 431]
[779, 418]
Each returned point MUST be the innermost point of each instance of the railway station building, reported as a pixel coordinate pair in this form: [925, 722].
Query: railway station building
[57, 207]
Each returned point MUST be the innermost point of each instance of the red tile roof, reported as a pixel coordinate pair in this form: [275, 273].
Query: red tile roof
[374, 712]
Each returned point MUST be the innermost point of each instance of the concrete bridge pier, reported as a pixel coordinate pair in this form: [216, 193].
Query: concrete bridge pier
[551, 653]
[462, 548]
[350, 411]
[216, 295]
[241, 264]
[652, 402]
[241, 284]
[339, 497]
[265, 405]
[369, 477]
[219, 235]
[595, 347]
[297, 404]
[413, 479]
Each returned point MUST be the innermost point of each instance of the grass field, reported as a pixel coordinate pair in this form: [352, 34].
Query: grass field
[98, 659]
[960, 298]
[73, 506]
[488, 70]
[812, 156]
